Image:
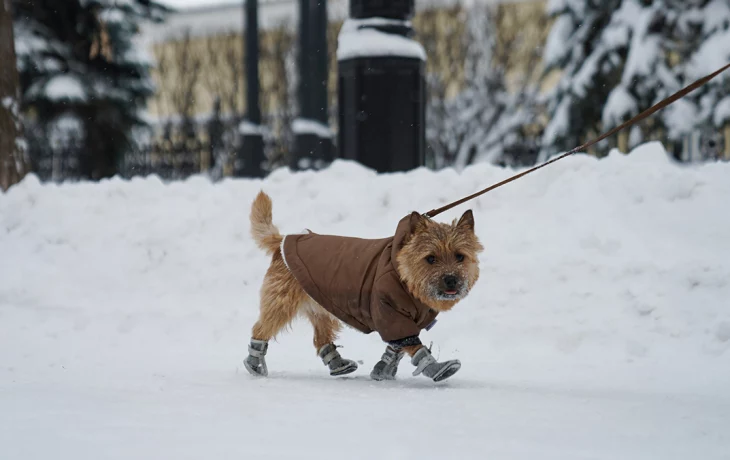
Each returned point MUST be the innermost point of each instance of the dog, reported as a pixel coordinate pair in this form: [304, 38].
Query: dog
[394, 286]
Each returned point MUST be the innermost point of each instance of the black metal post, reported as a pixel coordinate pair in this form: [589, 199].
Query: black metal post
[313, 138]
[321, 72]
[305, 48]
[250, 159]
[381, 89]
[319, 58]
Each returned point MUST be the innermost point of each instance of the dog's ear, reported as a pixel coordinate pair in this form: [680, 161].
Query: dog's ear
[466, 221]
[419, 222]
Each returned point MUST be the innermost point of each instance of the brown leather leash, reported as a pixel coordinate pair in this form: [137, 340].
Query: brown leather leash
[650, 111]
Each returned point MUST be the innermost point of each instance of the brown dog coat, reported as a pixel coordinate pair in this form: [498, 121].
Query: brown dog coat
[357, 281]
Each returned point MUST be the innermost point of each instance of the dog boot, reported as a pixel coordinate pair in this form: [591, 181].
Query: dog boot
[425, 363]
[255, 362]
[337, 364]
[387, 367]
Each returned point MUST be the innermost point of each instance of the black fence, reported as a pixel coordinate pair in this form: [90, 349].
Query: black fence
[168, 159]
[178, 150]
[173, 150]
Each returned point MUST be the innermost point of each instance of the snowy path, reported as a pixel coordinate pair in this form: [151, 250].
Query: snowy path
[218, 415]
[600, 328]
[107, 391]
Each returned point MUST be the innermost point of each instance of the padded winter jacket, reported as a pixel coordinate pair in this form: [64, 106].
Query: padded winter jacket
[357, 281]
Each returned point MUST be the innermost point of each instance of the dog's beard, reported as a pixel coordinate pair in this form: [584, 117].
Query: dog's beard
[440, 295]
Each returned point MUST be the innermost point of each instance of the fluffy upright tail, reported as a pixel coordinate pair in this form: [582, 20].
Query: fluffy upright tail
[263, 230]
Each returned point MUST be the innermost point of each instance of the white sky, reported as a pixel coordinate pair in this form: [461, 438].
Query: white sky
[191, 3]
[182, 4]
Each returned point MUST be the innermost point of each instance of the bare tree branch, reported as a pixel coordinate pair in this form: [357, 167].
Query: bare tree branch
[224, 74]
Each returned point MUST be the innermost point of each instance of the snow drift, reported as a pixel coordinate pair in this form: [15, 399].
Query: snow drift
[600, 327]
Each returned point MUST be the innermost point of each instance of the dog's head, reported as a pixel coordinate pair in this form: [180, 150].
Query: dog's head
[439, 262]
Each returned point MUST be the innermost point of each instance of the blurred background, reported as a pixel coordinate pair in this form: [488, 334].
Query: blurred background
[240, 88]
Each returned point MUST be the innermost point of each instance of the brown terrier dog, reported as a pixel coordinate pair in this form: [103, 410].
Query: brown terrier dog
[395, 286]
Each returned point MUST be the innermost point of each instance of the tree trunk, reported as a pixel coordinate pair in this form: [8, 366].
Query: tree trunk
[12, 155]
[727, 140]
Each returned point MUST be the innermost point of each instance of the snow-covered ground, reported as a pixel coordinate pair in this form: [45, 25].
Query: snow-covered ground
[600, 328]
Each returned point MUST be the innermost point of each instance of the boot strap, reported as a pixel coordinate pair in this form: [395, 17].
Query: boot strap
[333, 353]
[330, 356]
[426, 361]
[258, 353]
[392, 357]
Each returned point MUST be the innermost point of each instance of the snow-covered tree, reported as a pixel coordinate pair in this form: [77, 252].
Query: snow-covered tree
[705, 30]
[647, 76]
[589, 54]
[12, 151]
[619, 57]
[671, 44]
[485, 117]
[78, 58]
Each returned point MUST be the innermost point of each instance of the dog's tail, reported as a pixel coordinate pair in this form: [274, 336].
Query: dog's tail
[263, 230]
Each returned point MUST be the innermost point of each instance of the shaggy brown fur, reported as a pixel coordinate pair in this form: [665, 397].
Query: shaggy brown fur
[433, 252]
[446, 244]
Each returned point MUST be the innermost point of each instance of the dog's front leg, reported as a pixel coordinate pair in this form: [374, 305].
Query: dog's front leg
[421, 357]
[427, 365]
[387, 367]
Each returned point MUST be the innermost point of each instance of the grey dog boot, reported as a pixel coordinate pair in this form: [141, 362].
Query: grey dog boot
[425, 363]
[255, 362]
[387, 367]
[336, 363]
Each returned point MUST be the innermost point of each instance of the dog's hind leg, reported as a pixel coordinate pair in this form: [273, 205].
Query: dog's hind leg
[281, 297]
[326, 328]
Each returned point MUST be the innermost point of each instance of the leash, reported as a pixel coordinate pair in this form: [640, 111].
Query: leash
[650, 111]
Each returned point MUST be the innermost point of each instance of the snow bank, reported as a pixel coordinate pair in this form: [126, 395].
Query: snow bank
[600, 327]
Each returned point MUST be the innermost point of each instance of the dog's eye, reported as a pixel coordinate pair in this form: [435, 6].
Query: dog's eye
[459, 257]
[430, 259]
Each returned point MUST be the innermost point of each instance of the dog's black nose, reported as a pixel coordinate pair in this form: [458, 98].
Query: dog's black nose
[450, 281]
